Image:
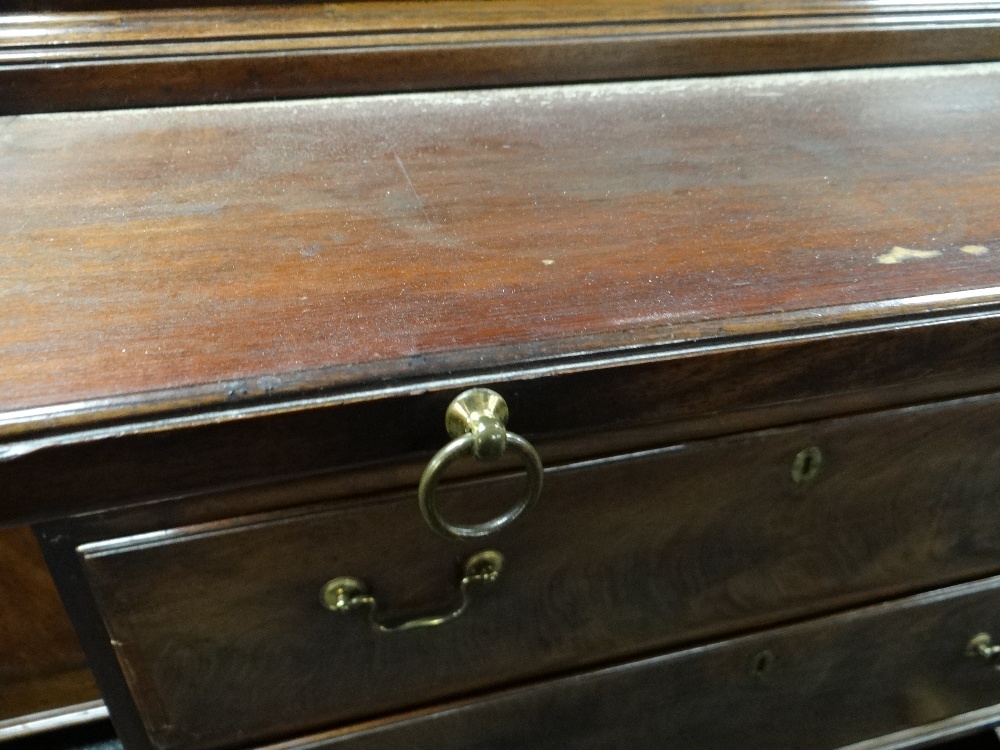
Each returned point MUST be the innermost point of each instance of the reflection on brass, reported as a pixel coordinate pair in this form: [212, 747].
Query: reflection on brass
[982, 646]
[476, 419]
[806, 465]
[481, 413]
[346, 594]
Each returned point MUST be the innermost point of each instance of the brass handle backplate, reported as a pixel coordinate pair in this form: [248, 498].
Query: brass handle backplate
[347, 594]
[476, 420]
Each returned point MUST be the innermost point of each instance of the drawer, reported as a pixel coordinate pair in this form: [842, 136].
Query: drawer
[221, 637]
[825, 683]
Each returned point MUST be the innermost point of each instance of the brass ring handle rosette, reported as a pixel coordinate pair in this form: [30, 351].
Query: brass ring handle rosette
[476, 420]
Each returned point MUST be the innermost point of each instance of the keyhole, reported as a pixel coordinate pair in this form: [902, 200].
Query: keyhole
[763, 662]
[806, 465]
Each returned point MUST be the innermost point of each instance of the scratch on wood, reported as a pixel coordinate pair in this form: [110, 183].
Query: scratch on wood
[974, 249]
[899, 254]
[412, 189]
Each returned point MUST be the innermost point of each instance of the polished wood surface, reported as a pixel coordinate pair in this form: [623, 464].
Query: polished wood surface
[274, 277]
[163, 249]
[41, 664]
[820, 684]
[220, 636]
[115, 53]
[632, 400]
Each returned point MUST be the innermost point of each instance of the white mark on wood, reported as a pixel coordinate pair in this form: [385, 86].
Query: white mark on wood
[412, 189]
[899, 254]
[975, 250]
[548, 262]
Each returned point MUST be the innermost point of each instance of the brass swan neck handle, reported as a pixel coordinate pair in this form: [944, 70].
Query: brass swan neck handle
[346, 594]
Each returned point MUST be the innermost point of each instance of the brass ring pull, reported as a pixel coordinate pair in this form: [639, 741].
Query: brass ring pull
[346, 594]
[476, 419]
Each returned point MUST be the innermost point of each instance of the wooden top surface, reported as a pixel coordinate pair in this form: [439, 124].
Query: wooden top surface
[212, 254]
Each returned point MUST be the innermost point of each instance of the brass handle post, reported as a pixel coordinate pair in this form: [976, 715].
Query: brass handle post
[981, 645]
[476, 420]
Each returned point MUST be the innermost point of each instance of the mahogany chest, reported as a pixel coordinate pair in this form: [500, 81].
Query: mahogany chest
[626, 414]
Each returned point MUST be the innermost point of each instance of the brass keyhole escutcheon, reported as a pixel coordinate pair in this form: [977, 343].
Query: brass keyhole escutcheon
[806, 465]
[763, 662]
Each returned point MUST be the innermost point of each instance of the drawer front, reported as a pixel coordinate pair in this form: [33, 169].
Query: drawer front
[221, 637]
[824, 683]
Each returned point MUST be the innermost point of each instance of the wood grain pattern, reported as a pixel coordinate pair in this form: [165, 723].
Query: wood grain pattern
[211, 244]
[290, 261]
[125, 56]
[41, 664]
[684, 393]
[220, 637]
[851, 677]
